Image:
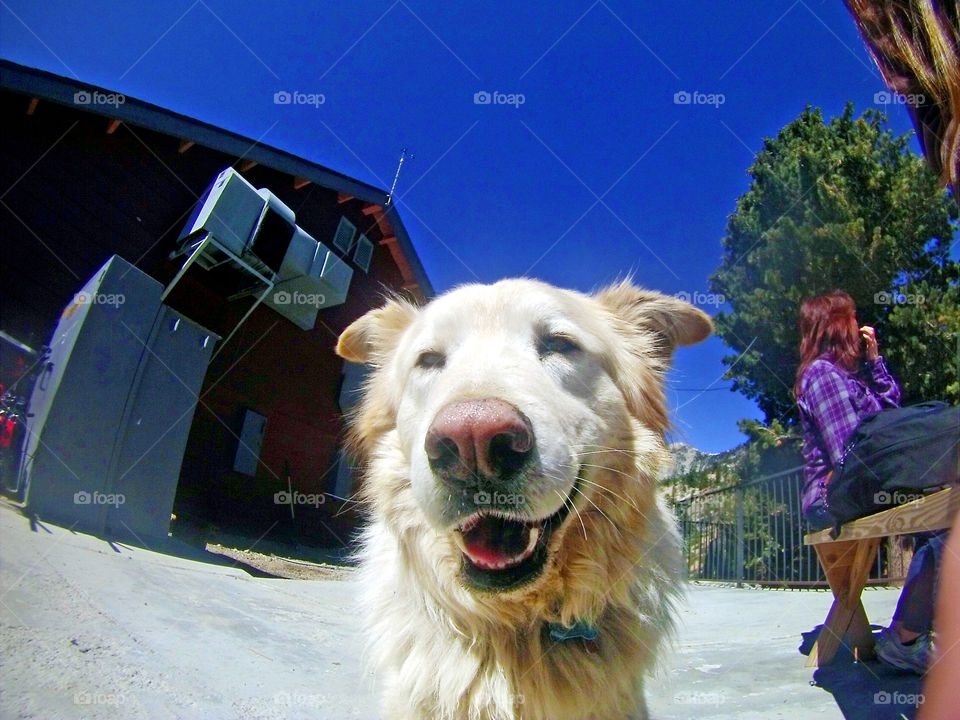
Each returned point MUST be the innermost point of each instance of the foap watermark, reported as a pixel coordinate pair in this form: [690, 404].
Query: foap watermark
[898, 698]
[85, 97]
[498, 499]
[895, 498]
[701, 298]
[85, 298]
[98, 698]
[898, 298]
[98, 498]
[298, 498]
[282, 297]
[282, 97]
[482, 97]
[885, 97]
[699, 698]
[696, 97]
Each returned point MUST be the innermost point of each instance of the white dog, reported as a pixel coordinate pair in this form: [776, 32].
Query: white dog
[518, 563]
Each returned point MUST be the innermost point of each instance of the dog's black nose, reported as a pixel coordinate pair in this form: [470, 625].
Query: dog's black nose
[488, 438]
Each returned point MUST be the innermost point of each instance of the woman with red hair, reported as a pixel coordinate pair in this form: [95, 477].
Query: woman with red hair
[835, 390]
[837, 386]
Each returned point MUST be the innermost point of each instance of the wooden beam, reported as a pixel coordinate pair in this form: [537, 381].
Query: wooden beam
[185, 145]
[112, 126]
[247, 165]
[343, 197]
[300, 182]
[406, 272]
[32, 106]
[380, 215]
[385, 228]
[930, 512]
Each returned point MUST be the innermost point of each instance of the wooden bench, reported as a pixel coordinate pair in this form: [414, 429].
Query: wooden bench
[847, 560]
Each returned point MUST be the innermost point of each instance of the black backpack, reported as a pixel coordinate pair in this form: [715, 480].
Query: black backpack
[893, 457]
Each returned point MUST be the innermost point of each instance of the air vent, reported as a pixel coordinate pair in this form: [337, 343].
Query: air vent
[343, 239]
[363, 254]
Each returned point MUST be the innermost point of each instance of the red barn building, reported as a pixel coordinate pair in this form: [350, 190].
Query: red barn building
[88, 174]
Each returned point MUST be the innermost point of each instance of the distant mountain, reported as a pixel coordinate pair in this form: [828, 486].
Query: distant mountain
[695, 471]
[686, 458]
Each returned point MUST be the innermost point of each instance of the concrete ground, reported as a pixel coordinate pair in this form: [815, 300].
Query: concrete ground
[91, 629]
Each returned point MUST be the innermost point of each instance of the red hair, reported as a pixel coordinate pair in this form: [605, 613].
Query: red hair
[828, 325]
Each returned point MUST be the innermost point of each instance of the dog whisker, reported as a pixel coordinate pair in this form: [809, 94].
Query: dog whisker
[599, 486]
[573, 505]
[605, 450]
[630, 502]
[607, 468]
[606, 517]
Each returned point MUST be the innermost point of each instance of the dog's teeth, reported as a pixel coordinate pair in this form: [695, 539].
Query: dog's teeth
[532, 542]
[470, 523]
[533, 537]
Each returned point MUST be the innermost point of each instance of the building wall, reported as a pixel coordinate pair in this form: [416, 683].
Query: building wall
[74, 195]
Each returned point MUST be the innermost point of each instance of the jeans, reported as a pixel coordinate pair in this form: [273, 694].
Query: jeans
[915, 607]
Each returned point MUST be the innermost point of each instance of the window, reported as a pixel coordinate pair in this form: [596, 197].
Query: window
[364, 253]
[343, 239]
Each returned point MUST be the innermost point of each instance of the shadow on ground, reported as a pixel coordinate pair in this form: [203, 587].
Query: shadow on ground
[268, 555]
[868, 689]
[168, 546]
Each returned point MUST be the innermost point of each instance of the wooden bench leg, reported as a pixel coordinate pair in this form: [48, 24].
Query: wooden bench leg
[847, 565]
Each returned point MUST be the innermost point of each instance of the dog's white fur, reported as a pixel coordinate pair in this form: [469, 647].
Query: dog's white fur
[445, 650]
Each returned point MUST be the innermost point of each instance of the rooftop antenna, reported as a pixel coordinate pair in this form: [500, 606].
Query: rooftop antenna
[403, 156]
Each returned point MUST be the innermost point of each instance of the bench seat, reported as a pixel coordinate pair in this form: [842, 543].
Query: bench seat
[846, 561]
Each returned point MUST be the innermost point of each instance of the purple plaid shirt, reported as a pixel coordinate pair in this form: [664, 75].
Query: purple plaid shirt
[832, 403]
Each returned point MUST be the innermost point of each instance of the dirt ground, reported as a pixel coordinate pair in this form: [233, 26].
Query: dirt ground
[283, 567]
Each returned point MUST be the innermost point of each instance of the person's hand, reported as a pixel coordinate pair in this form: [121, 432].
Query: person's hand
[869, 336]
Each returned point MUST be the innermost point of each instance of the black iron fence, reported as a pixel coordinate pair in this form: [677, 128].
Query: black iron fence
[753, 532]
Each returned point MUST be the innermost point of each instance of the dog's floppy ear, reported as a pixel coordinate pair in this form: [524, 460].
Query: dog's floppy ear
[651, 326]
[375, 333]
[671, 320]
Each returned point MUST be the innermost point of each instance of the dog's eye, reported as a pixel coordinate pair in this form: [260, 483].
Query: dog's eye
[430, 359]
[557, 344]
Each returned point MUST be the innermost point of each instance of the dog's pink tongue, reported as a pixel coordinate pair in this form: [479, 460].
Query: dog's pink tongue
[496, 543]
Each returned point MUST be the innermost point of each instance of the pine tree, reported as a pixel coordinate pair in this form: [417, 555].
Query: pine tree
[845, 205]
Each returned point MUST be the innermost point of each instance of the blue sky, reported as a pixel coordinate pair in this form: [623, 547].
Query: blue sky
[585, 165]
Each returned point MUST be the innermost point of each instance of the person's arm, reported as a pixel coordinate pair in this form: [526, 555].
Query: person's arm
[941, 691]
[882, 382]
[830, 405]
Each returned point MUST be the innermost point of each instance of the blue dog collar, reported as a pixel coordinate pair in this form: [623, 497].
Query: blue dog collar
[580, 630]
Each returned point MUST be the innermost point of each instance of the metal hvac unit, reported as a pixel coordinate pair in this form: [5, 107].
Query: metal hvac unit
[253, 230]
[230, 211]
[310, 278]
[113, 408]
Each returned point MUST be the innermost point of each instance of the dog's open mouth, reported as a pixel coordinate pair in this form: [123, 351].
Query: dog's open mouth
[501, 552]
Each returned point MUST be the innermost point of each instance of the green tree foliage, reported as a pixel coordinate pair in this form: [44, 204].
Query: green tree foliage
[923, 338]
[844, 205]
